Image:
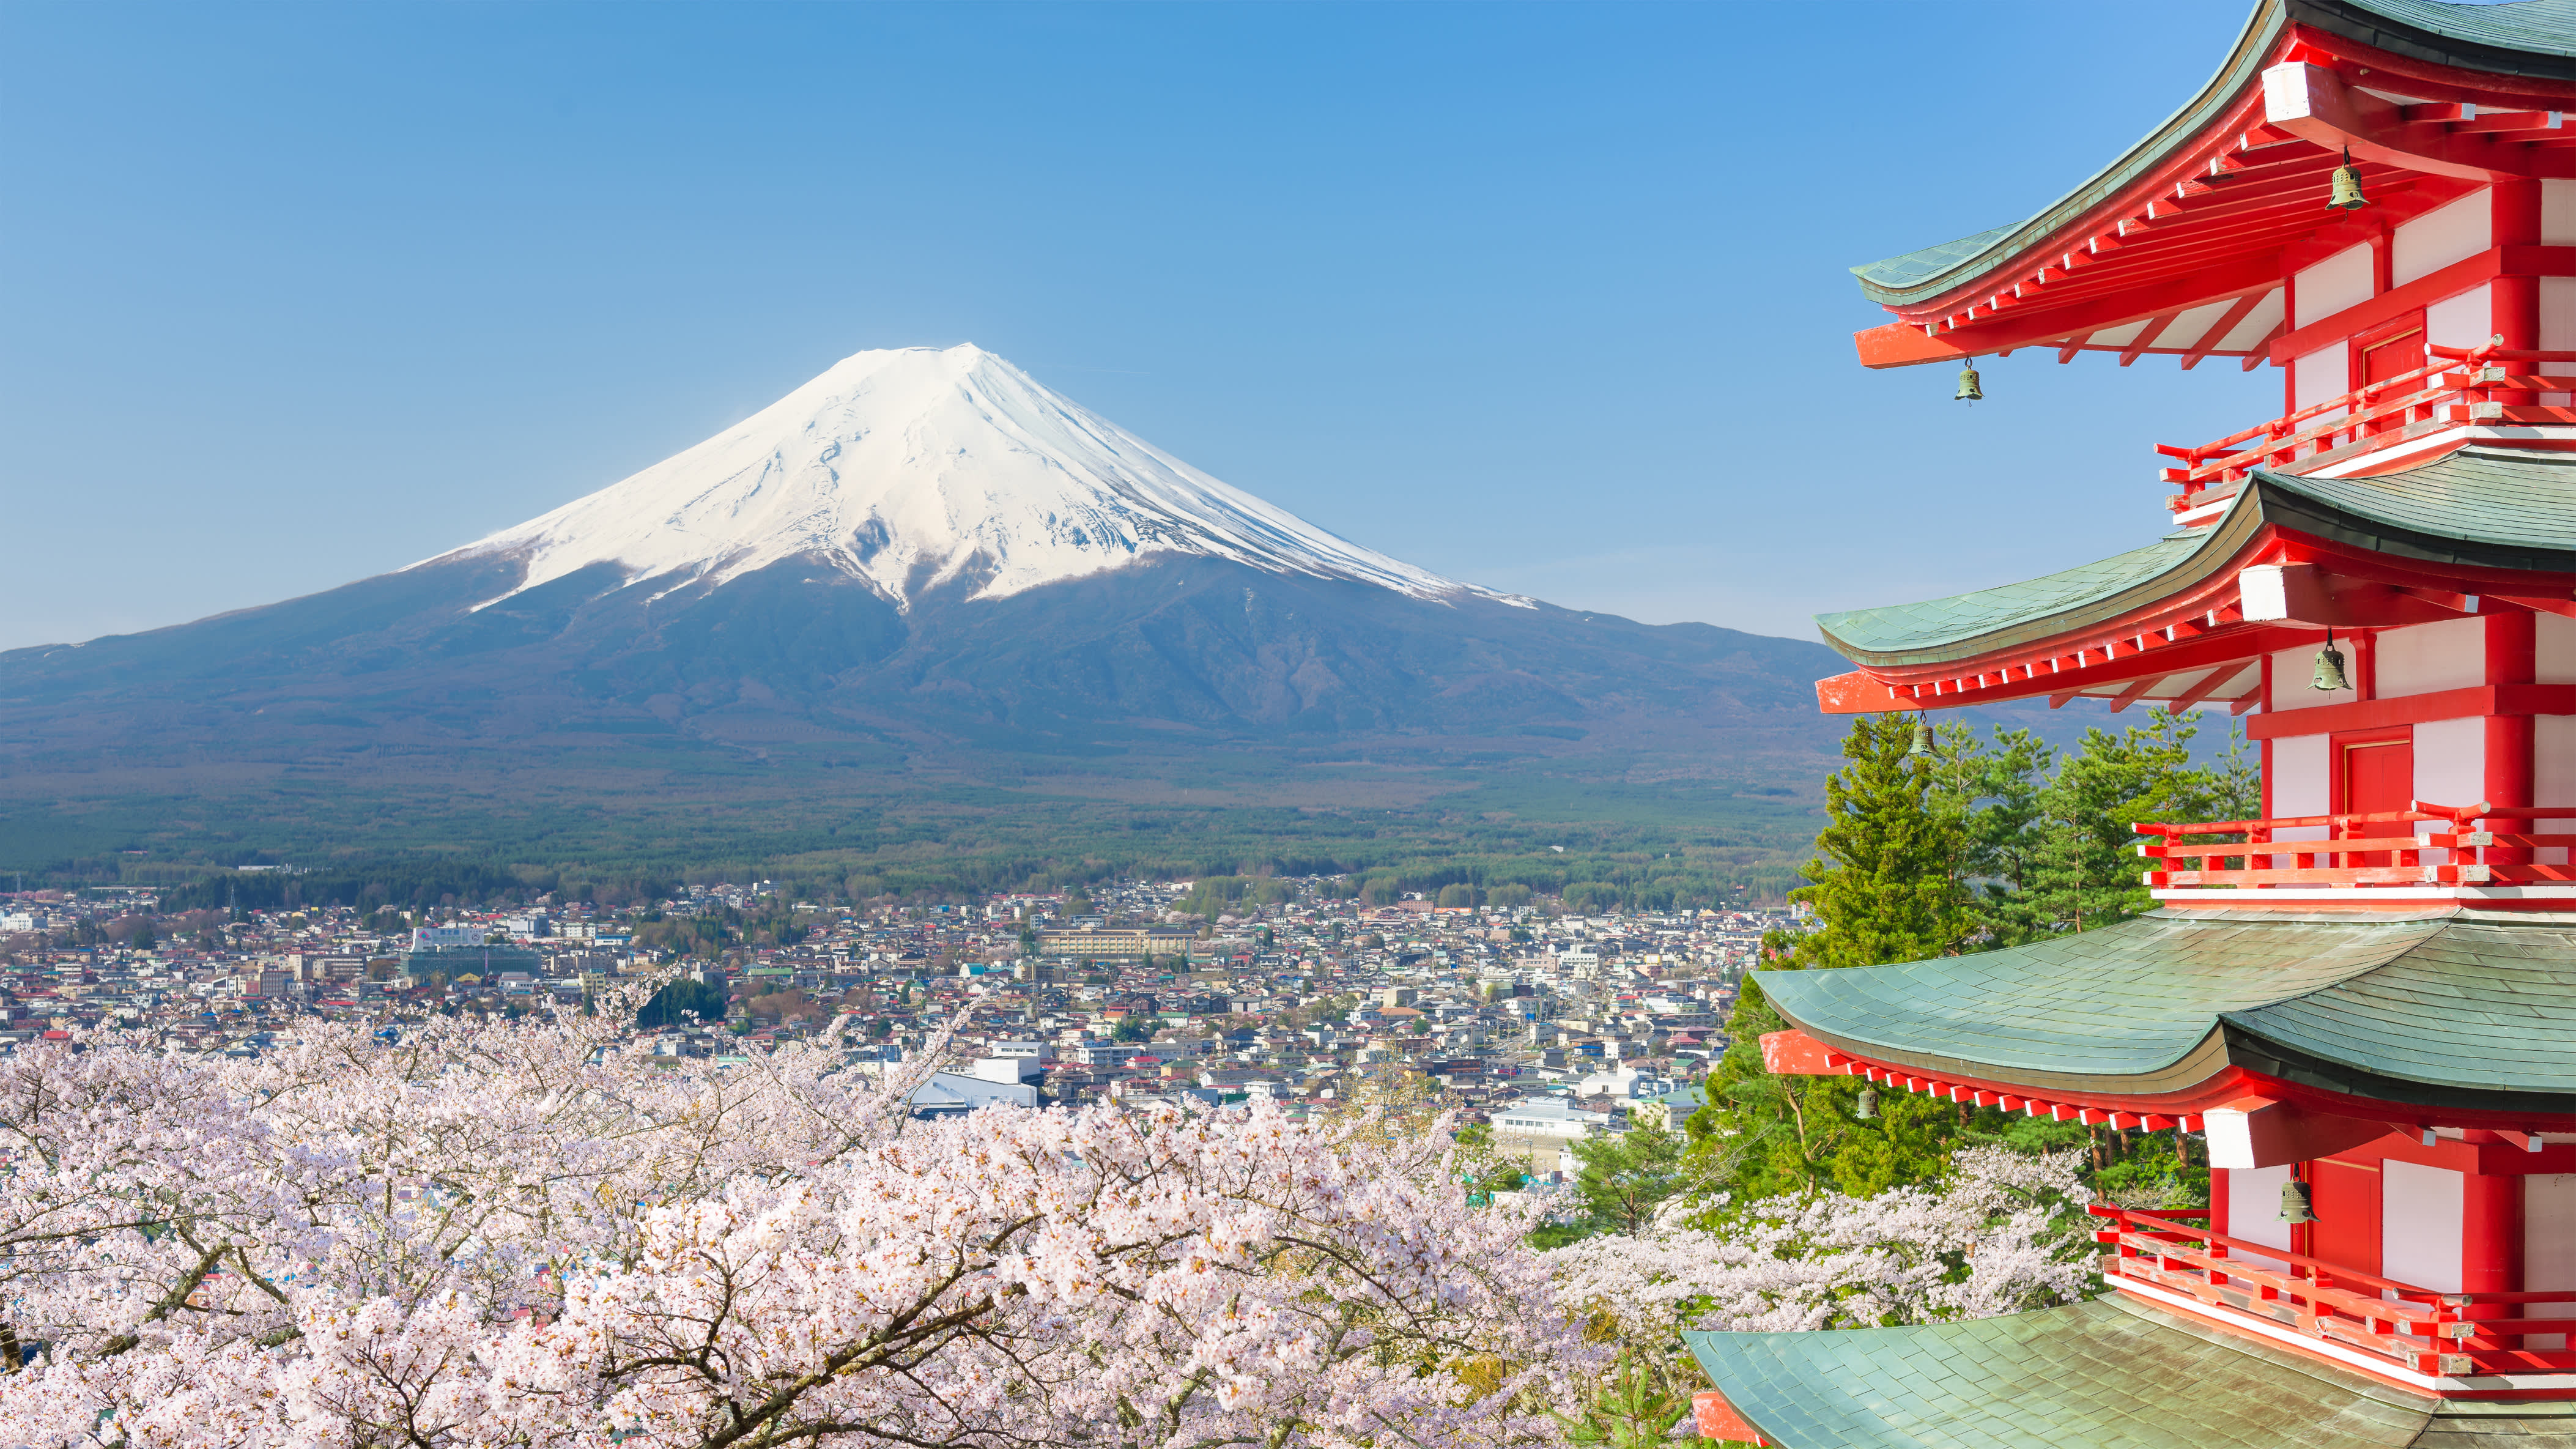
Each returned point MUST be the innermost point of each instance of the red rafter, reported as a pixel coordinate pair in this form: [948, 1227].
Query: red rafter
[2207, 687]
[2146, 338]
[2129, 696]
[2218, 330]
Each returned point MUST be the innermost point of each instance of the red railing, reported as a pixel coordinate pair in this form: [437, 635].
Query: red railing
[2361, 850]
[2461, 386]
[2422, 1329]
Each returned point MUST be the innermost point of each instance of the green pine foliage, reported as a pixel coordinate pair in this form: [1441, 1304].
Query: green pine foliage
[1885, 880]
[1982, 843]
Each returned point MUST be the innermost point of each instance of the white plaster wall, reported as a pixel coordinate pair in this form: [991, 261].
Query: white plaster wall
[2557, 215]
[2340, 281]
[2557, 320]
[2293, 668]
[2558, 313]
[2440, 237]
[2553, 775]
[2429, 658]
[2299, 776]
[2322, 374]
[2467, 320]
[2450, 769]
[2548, 1249]
[2299, 787]
[2554, 645]
[2419, 1225]
[2254, 1210]
[2451, 761]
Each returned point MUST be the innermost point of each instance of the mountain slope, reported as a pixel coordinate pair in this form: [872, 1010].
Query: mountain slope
[920, 567]
[915, 469]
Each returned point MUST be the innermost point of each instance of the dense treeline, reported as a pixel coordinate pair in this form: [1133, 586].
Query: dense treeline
[1585, 883]
[1590, 880]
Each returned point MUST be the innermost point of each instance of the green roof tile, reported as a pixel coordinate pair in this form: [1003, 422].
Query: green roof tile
[2088, 1376]
[2524, 37]
[2460, 1007]
[2490, 507]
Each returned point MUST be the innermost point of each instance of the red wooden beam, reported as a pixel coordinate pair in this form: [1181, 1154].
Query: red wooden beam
[1903, 344]
[2474, 702]
[2208, 686]
[2218, 330]
[2261, 351]
[2129, 696]
[2458, 277]
[2146, 338]
[2310, 101]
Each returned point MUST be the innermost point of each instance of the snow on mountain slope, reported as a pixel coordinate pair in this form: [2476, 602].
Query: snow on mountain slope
[915, 467]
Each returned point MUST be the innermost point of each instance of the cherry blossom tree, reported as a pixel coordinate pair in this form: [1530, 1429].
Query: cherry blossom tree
[525, 1234]
[2002, 1232]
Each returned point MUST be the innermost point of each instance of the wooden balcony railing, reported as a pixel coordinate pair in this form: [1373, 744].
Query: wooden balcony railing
[2460, 386]
[2362, 850]
[2421, 1329]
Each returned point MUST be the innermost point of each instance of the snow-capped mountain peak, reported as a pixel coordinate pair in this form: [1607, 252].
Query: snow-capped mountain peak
[915, 467]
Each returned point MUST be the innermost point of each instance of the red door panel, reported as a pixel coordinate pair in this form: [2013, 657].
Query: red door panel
[2345, 1199]
[2377, 775]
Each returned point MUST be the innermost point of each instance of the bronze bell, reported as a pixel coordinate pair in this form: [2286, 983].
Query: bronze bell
[2347, 186]
[1867, 1110]
[1922, 746]
[2329, 675]
[2297, 1206]
[1968, 389]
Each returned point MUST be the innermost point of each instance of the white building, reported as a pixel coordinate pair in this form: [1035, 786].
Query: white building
[1547, 1117]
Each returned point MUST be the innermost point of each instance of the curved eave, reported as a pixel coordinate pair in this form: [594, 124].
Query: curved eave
[2489, 38]
[2215, 558]
[2174, 1012]
[2227, 1062]
[2178, 1085]
[2370, 516]
[2224, 92]
[2428, 38]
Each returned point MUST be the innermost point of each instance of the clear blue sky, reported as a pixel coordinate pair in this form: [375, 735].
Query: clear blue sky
[1548, 297]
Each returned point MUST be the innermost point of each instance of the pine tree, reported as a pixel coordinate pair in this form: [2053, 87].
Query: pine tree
[1885, 882]
[2088, 874]
[1886, 886]
[1977, 846]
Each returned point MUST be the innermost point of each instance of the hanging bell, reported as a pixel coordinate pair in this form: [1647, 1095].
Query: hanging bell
[2296, 1204]
[1922, 746]
[1867, 1111]
[1968, 389]
[2347, 187]
[2329, 675]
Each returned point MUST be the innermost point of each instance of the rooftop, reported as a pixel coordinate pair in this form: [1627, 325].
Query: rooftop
[2112, 1371]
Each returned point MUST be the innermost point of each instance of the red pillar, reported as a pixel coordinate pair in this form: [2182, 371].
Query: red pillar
[2491, 1242]
[2491, 1234]
[2515, 301]
[2510, 636]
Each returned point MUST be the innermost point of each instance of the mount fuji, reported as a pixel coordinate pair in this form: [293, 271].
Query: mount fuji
[917, 469]
[921, 565]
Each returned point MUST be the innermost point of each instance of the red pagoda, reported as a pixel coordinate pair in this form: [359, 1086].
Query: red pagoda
[2367, 999]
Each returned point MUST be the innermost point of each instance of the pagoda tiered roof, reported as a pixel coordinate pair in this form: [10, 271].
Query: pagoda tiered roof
[2110, 1372]
[2179, 245]
[2167, 622]
[2465, 1014]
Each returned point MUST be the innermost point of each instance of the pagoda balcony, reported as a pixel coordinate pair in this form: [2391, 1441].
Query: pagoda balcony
[2283, 1295]
[2466, 851]
[2462, 388]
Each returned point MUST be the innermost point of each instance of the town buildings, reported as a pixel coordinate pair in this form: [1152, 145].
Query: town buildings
[2366, 999]
[1598, 1019]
